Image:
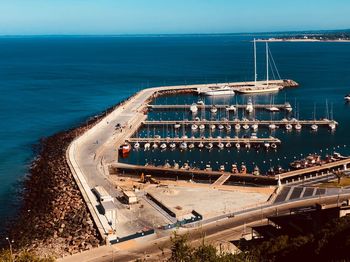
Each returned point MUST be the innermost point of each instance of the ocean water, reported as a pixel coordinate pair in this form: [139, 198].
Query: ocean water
[48, 84]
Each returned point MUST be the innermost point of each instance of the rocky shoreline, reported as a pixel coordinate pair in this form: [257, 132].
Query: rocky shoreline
[53, 219]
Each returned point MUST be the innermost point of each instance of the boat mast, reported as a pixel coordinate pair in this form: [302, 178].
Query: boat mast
[267, 64]
[255, 74]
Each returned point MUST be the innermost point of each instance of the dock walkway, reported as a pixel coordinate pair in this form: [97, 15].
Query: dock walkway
[241, 122]
[197, 173]
[285, 106]
[204, 140]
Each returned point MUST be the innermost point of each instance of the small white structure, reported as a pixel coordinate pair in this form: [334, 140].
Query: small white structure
[101, 194]
[110, 211]
[130, 197]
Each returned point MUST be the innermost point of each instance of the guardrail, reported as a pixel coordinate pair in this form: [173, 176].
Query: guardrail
[133, 236]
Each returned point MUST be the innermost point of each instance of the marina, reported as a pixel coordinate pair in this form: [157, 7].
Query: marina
[112, 144]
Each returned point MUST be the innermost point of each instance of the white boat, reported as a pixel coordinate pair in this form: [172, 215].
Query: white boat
[288, 107]
[212, 127]
[314, 127]
[177, 125]
[228, 127]
[266, 145]
[253, 136]
[213, 109]
[221, 145]
[137, 145]
[147, 146]
[194, 108]
[183, 145]
[297, 126]
[191, 146]
[209, 146]
[289, 127]
[255, 127]
[238, 145]
[219, 91]
[200, 145]
[249, 108]
[200, 102]
[208, 168]
[263, 88]
[247, 145]
[231, 108]
[197, 119]
[273, 146]
[163, 146]
[259, 89]
[194, 127]
[245, 126]
[272, 126]
[332, 126]
[221, 127]
[155, 146]
[172, 145]
[228, 145]
[273, 109]
[222, 168]
[237, 126]
[201, 127]
[347, 98]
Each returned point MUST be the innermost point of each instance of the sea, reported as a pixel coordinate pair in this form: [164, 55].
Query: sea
[51, 83]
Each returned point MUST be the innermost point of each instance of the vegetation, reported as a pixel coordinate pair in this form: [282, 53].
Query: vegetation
[182, 251]
[6, 256]
[332, 243]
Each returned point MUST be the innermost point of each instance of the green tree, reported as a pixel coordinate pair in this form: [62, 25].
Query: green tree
[180, 249]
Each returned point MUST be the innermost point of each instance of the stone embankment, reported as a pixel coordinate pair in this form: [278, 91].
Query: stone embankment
[54, 219]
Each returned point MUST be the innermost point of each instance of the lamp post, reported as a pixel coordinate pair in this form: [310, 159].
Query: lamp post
[10, 245]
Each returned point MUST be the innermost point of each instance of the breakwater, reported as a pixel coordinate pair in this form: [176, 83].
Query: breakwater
[53, 218]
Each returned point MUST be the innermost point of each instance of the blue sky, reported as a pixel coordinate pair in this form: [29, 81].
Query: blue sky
[164, 16]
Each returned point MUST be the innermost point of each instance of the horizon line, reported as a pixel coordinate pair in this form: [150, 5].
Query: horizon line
[175, 34]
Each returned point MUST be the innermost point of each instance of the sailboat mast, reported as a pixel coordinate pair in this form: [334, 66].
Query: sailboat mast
[267, 64]
[255, 74]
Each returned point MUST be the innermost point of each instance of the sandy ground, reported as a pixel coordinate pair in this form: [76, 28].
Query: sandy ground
[209, 202]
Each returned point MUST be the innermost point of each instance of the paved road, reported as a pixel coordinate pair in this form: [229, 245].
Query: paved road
[222, 230]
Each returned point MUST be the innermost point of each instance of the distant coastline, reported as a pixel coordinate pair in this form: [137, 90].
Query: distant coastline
[302, 40]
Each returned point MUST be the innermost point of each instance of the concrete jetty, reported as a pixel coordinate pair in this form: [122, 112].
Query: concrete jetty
[241, 122]
[169, 172]
[233, 140]
[285, 106]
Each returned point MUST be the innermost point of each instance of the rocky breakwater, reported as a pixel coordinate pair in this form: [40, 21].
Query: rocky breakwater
[54, 219]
